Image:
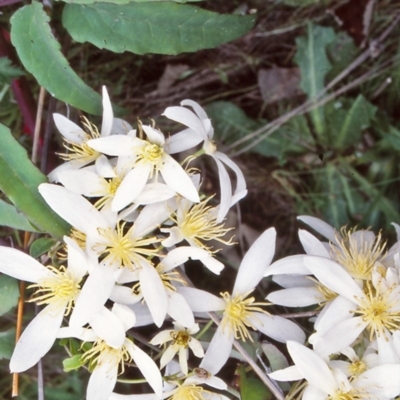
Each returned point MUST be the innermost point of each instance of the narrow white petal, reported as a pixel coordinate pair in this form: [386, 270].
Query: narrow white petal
[108, 327]
[312, 245]
[296, 297]
[186, 117]
[168, 355]
[78, 263]
[334, 277]
[320, 226]
[154, 135]
[240, 181]
[102, 382]
[124, 295]
[196, 347]
[225, 189]
[131, 186]
[255, 262]
[288, 374]
[20, 266]
[108, 114]
[73, 208]
[154, 293]
[37, 339]
[201, 301]
[293, 265]
[68, 129]
[142, 313]
[83, 182]
[312, 367]
[293, 281]
[155, 192]
[177, 179]
[212, 381]
[198, 109]
[179, 310]
[218, 351]
[104, 167]
[66, 166]
[93, 295]
[147, 367]
[278, 328]
[113, 145]
[125, 315]
[182, 141]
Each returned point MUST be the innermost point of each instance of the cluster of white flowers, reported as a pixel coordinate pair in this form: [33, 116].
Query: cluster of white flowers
[137, 216]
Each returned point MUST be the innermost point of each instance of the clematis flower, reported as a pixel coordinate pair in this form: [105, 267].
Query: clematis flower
[201, 130]
[324, 382]
[181, 339]
[241, 312]
[57, 288]
[144, 158]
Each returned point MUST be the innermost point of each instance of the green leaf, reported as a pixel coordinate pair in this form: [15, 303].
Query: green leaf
[122, 1]
[154, 27]
[19, 180]
[252, 388]
[9, 293]
[41, 56]
[74, 362]
[41, 246]
[7, 343]
[314, 65]
[8, 71]
[9, 216]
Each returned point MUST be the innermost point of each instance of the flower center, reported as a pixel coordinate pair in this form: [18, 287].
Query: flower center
[181, 338]
[379, 310]
[102, 353]
[357, 368]
[353, 394]
[121, 249]
[110, 190]
[151, 153]
[190, 392]
[199, 223]
[61, 288]
[82, 151]
[358, 253]
[238, 314]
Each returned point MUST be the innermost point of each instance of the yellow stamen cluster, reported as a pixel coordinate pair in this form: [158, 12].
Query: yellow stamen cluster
[59, 289]
[357, 254]
[111, 189]
[357, 367]
[353, 394]
[121, 249]
[379, 310]
[238, 313]
[101, 353]
[181, 338]
[328, 294]
[190, 392]
[82, 151]
[199, 224]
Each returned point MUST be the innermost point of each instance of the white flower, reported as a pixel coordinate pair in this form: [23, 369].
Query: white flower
[145, 158]
[201, 130]
[241, 311]
[378, 383]
[181, 339]
[57, 288]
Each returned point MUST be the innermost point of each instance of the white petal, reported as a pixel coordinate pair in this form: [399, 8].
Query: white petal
[142, 313]
[225, 190]
[312, 245]
[83, 182]
[177, 179]
[196, 347]
[288, 374]
[312, 367]
[182, 141]
[102, 382]
[113, 145]
[125, 315]
[73, 208]
[278, 328]
[293, 281]
[104, 167]
[78, 264]
[108, 115]
[155, 192]
[93, 295]
[154, 135]
[288, 265]
[198, 109]
[320, 226]
[334, 277]
[168, 355]
[20, 266]
[186, 117]
[147, 367]
[37, 339]
[201, 301]
[179, 310]
[68, 129]
[108, 327]
[131, 186]
[255, 262]
[124, 295]
[296, 297]
[154, 293]
[218, 351]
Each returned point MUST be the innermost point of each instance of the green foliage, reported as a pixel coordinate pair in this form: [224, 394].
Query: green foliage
[41, 246]
[122, 1]
[8, 71]
[72, 363]
[40, 54]
[19, 180]
[314, 65]
[252, 388]
[9, 293]
[153, 27]
[7, 342]
[9, 216]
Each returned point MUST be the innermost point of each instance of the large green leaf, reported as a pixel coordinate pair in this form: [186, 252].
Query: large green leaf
[9, 293]
[7, 343]
[252, 388]
[40, 53]
[19, 180]
[314, 65]
[153, 27]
